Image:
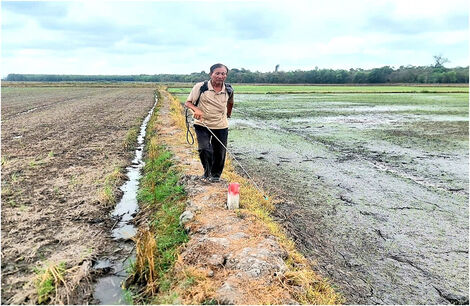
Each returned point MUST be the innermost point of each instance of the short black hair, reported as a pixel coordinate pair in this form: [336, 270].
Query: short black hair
[215, 66]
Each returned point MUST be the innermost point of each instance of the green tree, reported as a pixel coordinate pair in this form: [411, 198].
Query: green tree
[439, 61]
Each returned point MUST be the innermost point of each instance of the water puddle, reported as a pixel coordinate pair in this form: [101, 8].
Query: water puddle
[29, 110]
[108, 290]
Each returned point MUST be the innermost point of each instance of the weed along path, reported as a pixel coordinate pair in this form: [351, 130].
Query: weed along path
[192, 250]
[63, 156]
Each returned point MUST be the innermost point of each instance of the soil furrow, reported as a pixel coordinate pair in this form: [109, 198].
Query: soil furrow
[53, 178]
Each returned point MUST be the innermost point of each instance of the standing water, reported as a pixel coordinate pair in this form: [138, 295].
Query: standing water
[108, 289]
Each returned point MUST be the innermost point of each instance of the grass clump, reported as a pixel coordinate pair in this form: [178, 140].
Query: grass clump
[194, 287]
[131, 138]
[47, 281]
[176, 108]
[4, 160]
[107, 195]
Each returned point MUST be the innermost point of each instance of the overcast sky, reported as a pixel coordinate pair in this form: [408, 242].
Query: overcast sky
[151, 37]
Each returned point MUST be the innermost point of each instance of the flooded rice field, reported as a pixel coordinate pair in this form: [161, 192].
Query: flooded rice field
[375, 187]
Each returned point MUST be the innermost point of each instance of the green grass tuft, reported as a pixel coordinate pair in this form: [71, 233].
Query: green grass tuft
[131, 138]
[47, 281]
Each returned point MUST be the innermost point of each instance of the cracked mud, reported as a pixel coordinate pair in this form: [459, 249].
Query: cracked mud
[376, 187]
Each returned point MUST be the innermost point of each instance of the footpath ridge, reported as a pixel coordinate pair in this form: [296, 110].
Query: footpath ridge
[234, 256]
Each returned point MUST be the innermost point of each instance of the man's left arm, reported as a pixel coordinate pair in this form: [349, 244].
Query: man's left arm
[229, 106]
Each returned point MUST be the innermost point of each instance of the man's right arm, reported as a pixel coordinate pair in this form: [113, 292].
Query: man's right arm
[193, 96]
[197, 112]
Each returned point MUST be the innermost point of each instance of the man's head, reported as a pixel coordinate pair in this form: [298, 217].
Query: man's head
[218, 73]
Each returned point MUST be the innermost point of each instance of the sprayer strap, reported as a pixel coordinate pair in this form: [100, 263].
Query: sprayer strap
[205, 87]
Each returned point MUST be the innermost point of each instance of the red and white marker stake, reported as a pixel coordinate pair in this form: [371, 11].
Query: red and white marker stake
[233, 196]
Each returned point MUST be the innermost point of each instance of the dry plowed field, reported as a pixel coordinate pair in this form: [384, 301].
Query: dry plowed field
[61, 147]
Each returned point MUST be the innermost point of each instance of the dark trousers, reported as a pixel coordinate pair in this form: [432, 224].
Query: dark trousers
[211, 152]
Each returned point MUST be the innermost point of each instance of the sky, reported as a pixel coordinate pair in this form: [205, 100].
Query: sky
[153, 37]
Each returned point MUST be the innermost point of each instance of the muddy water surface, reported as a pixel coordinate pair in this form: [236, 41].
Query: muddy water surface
[376, 187]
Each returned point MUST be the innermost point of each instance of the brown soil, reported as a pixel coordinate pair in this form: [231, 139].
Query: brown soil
[58, 147]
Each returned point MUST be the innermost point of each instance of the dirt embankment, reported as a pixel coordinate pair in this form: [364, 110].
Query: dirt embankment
[62, 152]
[233, 256]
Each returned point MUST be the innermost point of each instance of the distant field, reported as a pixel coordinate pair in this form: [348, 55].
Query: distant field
[80, 84]
[185, 88]
[277, 89]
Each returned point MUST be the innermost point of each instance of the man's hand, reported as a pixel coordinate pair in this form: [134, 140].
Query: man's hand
[197, 113]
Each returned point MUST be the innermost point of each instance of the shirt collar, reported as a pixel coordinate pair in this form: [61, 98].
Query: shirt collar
[209, 85]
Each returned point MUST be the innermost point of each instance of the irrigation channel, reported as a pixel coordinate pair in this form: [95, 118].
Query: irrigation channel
[108, 289]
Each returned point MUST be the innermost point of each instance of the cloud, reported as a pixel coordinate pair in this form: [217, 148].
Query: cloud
[254, 21]
[187, 36]
[417, 24]
[36, 9]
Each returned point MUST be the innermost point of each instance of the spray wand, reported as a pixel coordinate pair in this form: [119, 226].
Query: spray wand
[233, 157]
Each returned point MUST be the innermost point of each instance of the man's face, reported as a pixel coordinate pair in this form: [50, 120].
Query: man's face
[219, 75]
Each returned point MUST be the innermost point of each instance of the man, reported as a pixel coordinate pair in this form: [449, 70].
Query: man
[211, 107]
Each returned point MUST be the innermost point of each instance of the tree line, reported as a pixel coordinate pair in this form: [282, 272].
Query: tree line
[405, 74]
